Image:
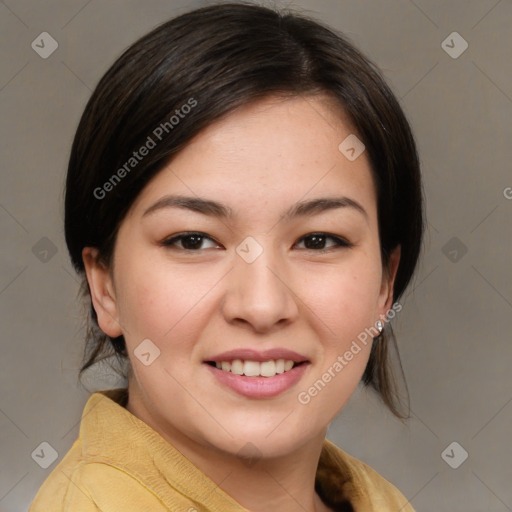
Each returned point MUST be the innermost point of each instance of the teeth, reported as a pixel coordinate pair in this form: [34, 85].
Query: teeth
[251, 368]
[267, 369]
[237, 367]
[255, 368]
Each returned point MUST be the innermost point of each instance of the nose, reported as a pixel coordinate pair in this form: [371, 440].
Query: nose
[258, 294]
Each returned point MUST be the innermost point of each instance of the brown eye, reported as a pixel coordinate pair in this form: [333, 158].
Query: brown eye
[189, 241]
[320, 241]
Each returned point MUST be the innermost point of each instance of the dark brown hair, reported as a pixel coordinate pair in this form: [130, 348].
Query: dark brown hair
[218, 58]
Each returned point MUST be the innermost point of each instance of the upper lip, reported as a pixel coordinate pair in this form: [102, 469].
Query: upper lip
[247, 354]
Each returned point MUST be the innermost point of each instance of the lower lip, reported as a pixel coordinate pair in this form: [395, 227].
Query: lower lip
[260, 387]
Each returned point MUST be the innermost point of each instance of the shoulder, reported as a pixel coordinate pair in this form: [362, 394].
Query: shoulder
[93, 486]
[90, 479]
[361, 484]
[381, 490]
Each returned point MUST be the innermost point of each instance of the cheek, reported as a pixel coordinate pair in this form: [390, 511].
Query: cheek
[345, 298]
[345, 305]
[158, 299]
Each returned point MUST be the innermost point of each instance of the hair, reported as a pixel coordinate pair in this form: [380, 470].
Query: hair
[215, 59]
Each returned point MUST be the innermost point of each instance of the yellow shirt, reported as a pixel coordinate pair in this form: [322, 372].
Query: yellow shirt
[120, 464]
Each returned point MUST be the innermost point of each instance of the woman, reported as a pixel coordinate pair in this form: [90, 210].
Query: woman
[244, 204]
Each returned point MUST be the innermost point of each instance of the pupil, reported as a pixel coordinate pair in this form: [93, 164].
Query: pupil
[317, 241]
[196, 241]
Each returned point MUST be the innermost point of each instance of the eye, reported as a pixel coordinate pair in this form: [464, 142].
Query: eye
[318, 242]
[195, 241]
[192, 241]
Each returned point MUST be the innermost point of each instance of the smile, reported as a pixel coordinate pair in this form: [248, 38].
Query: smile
[255, 368]
[253, 379]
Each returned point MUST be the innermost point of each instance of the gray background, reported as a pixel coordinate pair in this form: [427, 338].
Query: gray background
[453, 331]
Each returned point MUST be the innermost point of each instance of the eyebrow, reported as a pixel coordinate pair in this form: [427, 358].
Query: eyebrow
[219, 210]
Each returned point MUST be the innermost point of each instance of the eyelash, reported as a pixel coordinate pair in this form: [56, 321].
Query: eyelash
[340, 242]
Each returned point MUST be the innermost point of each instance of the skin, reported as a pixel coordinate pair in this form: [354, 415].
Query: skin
[259, 161]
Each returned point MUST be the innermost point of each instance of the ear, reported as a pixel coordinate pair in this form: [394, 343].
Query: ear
[102, 292]
[388, 281]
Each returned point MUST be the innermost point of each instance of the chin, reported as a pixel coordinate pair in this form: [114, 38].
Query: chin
[253, 440]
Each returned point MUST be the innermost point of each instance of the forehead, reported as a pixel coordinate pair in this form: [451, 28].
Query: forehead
[267, 154]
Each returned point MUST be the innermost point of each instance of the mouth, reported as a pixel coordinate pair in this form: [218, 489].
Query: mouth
[250, 368]
[258, 379]
[258, 374]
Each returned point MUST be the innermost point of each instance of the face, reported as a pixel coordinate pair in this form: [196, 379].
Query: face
[275, 256]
